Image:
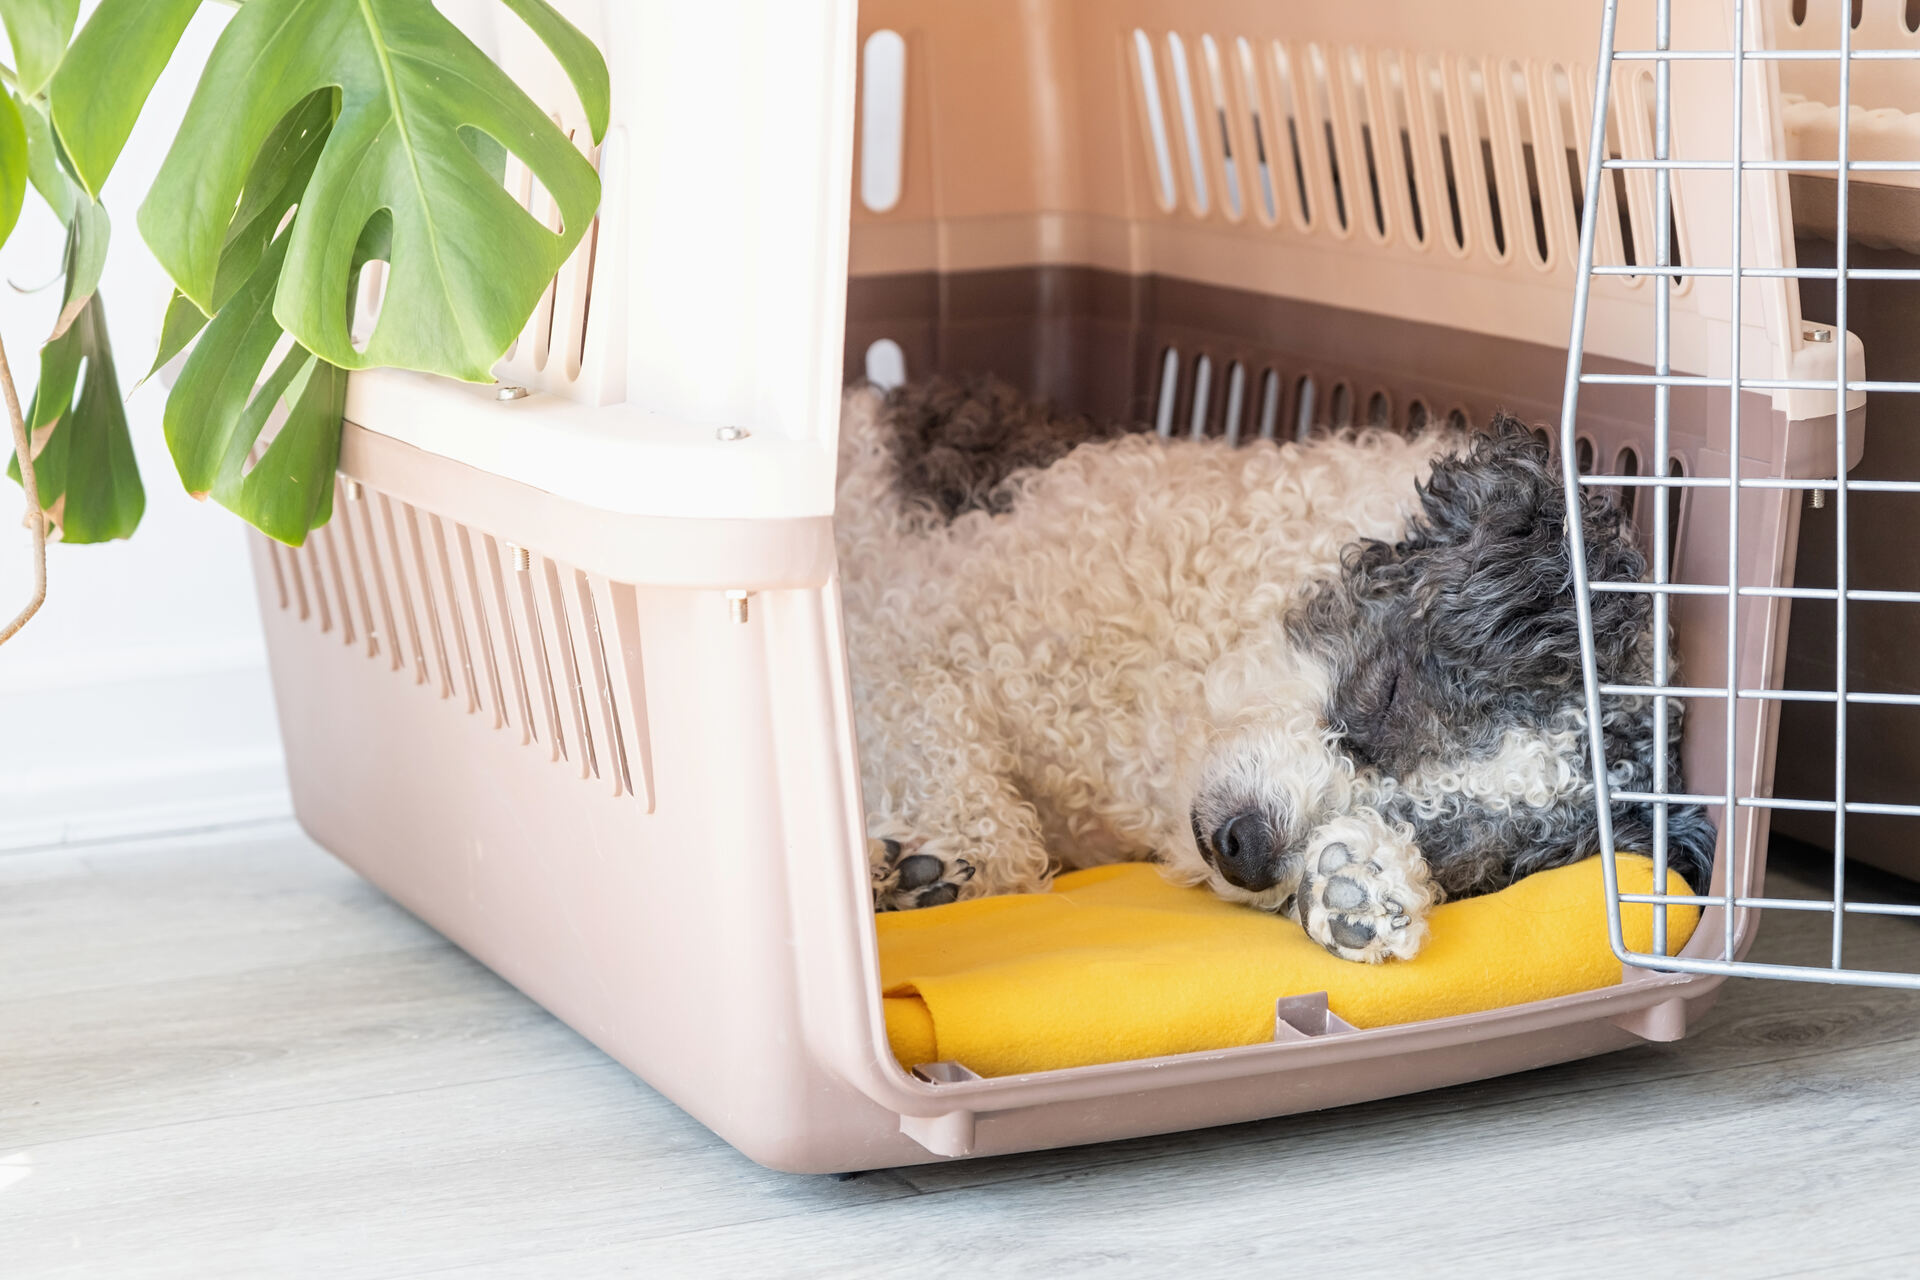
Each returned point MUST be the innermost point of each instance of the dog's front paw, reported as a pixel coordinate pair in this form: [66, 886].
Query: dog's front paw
[907, 875]
[1364, 902]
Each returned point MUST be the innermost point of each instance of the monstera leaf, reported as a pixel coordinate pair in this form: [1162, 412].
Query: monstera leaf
[323, 134]
[467, 262]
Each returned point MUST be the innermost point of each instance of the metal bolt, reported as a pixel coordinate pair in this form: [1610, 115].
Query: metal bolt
[504, 392]
[350, 487]
[1816, 498]
[732, 433]
[1819, 335]
[737, 605]
[522, 558]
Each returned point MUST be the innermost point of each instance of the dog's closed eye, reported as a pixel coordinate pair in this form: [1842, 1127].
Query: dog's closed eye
[1366, 728]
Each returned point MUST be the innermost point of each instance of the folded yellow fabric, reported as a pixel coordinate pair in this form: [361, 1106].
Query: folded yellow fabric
[1116, 963]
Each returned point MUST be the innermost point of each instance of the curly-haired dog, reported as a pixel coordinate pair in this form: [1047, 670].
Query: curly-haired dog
[1338, 679]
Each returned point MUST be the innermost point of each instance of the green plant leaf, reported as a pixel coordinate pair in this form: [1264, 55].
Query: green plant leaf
[468, 264]
[87, 234]
[104, 497]
[577, 57]
[220, 406]
[205, 408]
[13, 165]
[287, 381]
[289, 491]
[60, 362]
[43, 162]
[83, 460]
[491, 155]
[104, 80]
[275, 183]
[180, 325]
[39, 30]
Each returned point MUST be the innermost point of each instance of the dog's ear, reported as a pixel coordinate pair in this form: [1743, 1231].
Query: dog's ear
[1497, 574]
[955, 443]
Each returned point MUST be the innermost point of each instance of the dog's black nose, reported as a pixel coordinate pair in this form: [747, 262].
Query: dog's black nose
[1243, 851]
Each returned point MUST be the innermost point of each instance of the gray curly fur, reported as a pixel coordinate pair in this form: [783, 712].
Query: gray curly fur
[1466, 628]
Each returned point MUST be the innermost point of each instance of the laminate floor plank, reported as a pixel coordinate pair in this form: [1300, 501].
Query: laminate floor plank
[456, 1176]
[187, 907]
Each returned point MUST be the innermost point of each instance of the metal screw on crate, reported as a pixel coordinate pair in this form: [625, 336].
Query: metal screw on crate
[736, 600]
[504, 392]
[1817, 498]
[349, 486]
[521, 557]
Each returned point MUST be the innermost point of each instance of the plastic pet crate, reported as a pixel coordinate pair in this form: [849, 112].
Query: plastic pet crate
[566, 676]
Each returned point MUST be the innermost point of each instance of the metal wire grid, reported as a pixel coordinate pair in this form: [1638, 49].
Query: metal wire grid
[1662, 589]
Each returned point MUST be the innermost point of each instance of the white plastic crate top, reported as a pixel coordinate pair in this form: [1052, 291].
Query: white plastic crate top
[710, 294]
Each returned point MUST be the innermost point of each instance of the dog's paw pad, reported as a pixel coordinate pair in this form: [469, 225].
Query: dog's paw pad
[1357, 909]
[1344, 893]
[1351, 932]
[905, 877]
[1333, 857]
[917, 872]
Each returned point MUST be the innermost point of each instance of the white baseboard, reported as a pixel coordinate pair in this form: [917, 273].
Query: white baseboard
[164, 752]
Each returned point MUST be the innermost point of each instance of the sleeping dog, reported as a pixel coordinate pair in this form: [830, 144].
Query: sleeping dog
[1337, 679]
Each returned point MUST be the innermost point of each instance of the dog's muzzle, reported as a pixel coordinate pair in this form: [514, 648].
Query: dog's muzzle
[1244, 849]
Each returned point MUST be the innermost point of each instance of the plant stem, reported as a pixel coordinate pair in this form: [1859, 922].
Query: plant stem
[36, 518]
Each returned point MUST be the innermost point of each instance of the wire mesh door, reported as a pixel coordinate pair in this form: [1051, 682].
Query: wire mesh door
[1788, 404]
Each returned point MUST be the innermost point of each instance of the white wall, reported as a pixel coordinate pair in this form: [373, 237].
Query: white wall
[138, 699]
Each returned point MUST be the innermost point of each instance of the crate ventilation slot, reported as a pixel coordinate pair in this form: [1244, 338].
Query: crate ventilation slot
[543, 651]
[1239, 397]
[1384, 145]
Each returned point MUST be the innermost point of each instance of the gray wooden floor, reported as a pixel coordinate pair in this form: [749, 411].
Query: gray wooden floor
[226, 1056]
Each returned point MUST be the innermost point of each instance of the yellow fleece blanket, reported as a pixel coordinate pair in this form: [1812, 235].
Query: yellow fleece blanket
[1115, 963]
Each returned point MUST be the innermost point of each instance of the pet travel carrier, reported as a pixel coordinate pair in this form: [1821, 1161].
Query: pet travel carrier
[565, 673]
